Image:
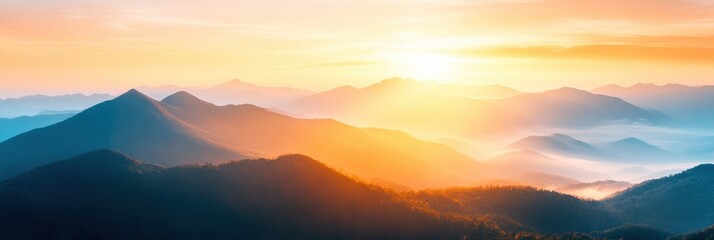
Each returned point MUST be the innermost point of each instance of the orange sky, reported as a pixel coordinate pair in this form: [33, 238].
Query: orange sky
[78, 45]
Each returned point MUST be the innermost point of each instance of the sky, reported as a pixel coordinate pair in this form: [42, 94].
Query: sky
[50, 46]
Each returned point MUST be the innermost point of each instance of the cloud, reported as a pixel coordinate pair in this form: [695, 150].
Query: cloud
[604, 52]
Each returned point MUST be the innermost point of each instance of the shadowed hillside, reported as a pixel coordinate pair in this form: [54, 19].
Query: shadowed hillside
[106, 195]
[679, 203]
[543, 210]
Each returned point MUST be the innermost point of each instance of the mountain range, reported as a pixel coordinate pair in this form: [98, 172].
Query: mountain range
[388, 103]
[182, 129]
[690, 106]
[36, 104]
[105, 194]
[13, 126]
[234, 92]
[628, 149]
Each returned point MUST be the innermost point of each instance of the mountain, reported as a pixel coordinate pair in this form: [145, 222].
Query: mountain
[10, 127]
[431, 110]
[632, 144]
[369, 153]
[238, 92]
[107, 195]
[635, 148]
[546, 211]
[35, 104]
[574, 108]
[162, 91]
[690, 106]
[559, 144]
[391, 102]
[234, 92]
[678, 203]
[701, 146]
[132, 123]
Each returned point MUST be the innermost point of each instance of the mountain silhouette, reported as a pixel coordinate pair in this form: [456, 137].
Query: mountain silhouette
[635, 149]
[234, 92]
[132, 123]
[238, 92]
[690, 106]
[13, 126]
[35, 104]
[107, 195]
[560, 144]
[370, 153]
[431, 109]
[570, 107]
[389, 103]
[679, 203]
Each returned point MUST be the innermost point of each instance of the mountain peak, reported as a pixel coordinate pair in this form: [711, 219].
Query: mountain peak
[133, 94]
[631, 140]
[235, 83]
[569, 91]
[184, 99]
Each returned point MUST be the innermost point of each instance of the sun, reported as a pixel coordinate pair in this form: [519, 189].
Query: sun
[428, 67]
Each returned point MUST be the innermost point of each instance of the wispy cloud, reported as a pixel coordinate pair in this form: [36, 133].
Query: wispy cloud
[605, 52]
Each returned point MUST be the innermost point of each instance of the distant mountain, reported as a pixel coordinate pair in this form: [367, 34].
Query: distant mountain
[690, 106]
[132, 123]
[10, 127]
[569, 107]
[389, 102]
[703, 146]
[624, 150]
[106, 195]
[431, 110]
[235, 92]
[546, 211]
[559, 144]
[635, 148]
[33, 105]
[162, 91]
[370, 153]
[678, 203]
